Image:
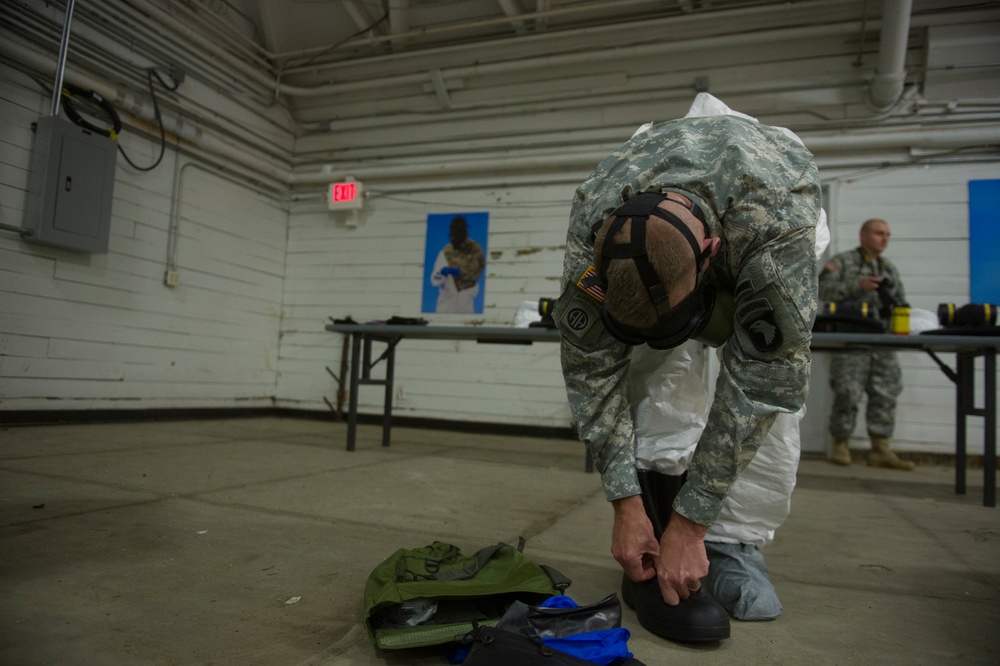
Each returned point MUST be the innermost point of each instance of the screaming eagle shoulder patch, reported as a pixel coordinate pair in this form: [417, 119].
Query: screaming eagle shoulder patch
[757, 317]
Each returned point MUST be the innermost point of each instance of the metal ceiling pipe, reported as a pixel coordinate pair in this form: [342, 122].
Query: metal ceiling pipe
[61, 63]
[46, 65]
[942, 139]
[127, 55]
[451, 168]
[892, 68]
[613, 5]
[936, 139]
[188, 34]
[887, 86]
[147, 7]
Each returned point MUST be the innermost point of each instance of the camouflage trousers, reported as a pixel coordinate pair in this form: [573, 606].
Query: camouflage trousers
[853, 374]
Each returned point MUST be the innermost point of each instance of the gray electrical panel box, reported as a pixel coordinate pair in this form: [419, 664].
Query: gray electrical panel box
[71, 181]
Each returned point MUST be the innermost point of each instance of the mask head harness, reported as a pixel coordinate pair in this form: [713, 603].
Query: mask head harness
[674, 324]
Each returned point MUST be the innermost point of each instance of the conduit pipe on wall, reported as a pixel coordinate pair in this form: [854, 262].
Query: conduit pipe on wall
[887, 86]
[61, 62]
[42, 62]
[902, 19]
[422, 169]
[584, 35]
[125, 52]
[931, 139]
[558, 62]
[885, 90]
[889, 81]
[143, 110]
[939, 139]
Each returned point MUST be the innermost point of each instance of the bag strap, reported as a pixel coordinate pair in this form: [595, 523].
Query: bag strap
[433, 569]
[474, 567]
[559, 580]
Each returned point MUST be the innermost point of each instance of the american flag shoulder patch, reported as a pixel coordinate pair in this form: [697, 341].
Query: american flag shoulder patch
[590, 283]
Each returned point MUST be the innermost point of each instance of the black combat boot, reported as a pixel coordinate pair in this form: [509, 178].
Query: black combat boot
[697, 619]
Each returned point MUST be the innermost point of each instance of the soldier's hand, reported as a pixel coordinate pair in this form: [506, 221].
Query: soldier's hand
[632, 541]
[682, 562]
[869, 283]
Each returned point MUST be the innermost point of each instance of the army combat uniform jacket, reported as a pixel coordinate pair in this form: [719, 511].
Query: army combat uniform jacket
[840, 281]
[761, 194]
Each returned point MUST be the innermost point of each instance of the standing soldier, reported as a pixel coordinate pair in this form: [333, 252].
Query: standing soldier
[864, 276]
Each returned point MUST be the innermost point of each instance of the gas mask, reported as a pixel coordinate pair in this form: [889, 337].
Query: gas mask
[705, 314]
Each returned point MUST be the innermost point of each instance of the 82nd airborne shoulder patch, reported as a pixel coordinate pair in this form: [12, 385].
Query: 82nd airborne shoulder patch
[578, 314]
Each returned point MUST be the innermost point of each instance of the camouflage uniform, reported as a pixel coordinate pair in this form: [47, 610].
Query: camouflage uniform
[854, 373]
[468, 257]
[458, 292]
[761, 194]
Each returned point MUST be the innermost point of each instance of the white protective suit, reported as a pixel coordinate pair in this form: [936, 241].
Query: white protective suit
[451, 300]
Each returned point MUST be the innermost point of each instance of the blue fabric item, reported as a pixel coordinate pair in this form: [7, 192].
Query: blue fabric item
[559, 601]
[458, 654]
[599, 647]
[451, 271]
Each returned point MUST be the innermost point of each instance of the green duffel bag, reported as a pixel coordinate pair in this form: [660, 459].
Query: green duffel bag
[435, 594]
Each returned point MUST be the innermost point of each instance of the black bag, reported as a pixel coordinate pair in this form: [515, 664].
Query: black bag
[517, 638]
[495, 647]
[554, 622]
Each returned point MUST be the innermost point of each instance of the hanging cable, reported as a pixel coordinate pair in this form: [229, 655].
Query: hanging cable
[82, 105]
[372, 26]
[159, 121]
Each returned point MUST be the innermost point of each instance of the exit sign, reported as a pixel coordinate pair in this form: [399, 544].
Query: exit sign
[345, 196]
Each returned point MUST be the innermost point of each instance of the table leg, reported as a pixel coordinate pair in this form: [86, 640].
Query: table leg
[352, 409]
[990, 435]
[390, 366]
[965, 390]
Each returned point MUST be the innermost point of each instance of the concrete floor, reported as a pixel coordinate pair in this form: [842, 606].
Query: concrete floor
[183, 543]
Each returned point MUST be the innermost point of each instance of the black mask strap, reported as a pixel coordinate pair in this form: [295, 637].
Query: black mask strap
[635, 250]
[699, 255]
[639, 208]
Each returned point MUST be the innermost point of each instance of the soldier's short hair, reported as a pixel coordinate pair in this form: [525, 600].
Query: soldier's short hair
[625, 296]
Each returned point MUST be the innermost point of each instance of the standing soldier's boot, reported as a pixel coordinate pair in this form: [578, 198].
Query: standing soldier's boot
[882, 456]
[841, 452]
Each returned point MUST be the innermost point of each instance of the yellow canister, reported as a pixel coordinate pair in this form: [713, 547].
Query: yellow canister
[901, 321]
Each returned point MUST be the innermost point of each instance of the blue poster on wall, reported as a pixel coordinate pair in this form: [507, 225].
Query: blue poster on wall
[984, 241]
[455, 263]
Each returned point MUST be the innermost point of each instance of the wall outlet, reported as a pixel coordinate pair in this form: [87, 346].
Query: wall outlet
[171, 278]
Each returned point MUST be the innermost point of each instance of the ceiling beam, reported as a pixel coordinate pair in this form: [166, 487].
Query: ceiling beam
[511, 9]
[361, 16]
[399, 16]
